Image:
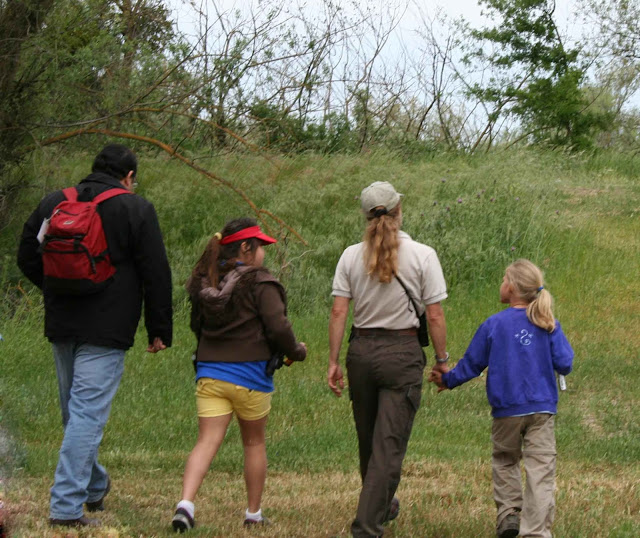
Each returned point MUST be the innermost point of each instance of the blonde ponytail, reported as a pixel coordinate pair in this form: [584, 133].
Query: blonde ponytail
[528, 282]
[381, 244]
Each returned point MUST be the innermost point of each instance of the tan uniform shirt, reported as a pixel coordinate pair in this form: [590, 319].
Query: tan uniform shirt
[386, 305]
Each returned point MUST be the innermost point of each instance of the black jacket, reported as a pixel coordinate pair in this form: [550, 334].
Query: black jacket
[110, 317]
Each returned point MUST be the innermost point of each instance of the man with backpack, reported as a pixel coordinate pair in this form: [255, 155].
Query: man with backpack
[96, 251]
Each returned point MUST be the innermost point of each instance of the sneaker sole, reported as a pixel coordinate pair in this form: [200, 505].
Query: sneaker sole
[181, 523]
[264, 522]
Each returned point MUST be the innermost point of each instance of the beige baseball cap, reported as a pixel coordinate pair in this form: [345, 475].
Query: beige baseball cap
[379, 193]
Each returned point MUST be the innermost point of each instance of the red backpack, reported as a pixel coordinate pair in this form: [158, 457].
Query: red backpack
[74, 251]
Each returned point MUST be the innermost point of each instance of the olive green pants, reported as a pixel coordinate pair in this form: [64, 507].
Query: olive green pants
[385, 380]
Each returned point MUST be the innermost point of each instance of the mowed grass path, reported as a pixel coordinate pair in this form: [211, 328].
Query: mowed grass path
[578, 220]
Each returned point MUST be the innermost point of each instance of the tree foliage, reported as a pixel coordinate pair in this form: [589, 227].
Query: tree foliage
[97, 56]
[77, 62]
[534, 76]
[613, 46]
[619, 24]
[20, 20]
[276, 77]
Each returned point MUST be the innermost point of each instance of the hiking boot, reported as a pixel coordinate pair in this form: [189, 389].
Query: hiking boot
[394, 510]
[182, 521]
[80, 522]
[252, 522]
[98, 506]
[510, 526]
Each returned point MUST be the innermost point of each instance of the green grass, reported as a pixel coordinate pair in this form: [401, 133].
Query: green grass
[576, 217]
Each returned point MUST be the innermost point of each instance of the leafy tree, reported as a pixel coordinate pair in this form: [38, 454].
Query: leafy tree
[97, 56]
[535, 78]
[71, 63]
[289, 132]
[19, 20]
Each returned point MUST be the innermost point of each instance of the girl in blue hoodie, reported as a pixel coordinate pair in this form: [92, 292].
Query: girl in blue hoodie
[522, 346]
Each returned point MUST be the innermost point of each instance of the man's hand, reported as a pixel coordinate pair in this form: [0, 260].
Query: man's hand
[335, 379]
[156, 346]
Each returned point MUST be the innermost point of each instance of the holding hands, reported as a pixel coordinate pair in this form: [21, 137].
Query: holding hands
[435, 376]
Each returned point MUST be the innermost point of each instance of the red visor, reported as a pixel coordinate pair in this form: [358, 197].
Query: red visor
[248, 233]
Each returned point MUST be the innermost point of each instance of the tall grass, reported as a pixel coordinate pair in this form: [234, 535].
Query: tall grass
[575, 218]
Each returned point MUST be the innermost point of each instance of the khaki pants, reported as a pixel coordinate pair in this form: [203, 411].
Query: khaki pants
[385, 380]
[532, 439]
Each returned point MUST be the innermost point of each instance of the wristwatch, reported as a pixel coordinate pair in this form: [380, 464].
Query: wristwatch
[442, 361]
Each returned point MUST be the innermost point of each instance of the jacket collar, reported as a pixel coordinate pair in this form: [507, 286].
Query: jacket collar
[105, 179]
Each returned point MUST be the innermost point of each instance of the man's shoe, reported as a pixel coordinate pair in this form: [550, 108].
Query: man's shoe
[80, 522]
[98, 506]
[182, 521]
[252, 522]
[510, 526]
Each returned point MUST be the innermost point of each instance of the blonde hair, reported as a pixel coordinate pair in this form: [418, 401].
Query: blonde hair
[528, 282]
[381, 244]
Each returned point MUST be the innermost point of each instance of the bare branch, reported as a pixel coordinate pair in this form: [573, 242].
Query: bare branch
[260, 213]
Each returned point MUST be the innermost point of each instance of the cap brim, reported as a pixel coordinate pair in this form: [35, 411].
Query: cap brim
[267, 240]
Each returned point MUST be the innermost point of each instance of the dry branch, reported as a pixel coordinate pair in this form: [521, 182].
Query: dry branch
[260, 213]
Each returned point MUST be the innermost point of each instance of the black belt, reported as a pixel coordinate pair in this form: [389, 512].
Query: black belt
[355, 331]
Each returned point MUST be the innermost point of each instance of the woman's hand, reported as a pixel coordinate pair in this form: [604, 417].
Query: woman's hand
[335, 379]
[440, 367]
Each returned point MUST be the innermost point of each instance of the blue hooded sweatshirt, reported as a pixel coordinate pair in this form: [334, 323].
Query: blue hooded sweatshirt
[521, 358]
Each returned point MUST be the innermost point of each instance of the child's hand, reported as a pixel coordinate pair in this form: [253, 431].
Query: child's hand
[435, 376]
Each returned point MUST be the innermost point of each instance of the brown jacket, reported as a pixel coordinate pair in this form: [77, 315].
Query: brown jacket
[243, 319]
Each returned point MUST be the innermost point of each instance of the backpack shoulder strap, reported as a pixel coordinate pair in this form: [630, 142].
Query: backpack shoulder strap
[110, 193]
[71, 194]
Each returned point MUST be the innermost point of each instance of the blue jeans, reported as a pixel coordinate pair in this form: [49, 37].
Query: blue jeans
[88, 378]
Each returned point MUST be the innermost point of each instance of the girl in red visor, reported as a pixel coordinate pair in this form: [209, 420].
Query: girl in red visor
[239, 316]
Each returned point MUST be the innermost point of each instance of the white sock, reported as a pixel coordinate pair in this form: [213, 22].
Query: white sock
[188, 506]
[257, 516]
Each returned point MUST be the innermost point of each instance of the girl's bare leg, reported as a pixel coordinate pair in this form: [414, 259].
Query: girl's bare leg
[211, 432]
[255, 459]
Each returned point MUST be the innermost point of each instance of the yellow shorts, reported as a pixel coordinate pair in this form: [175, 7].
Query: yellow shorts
[215, 398]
